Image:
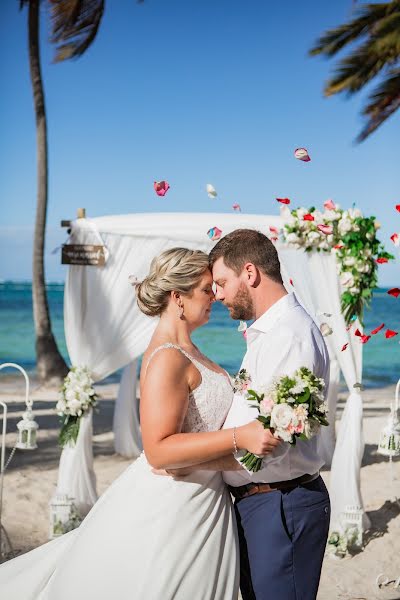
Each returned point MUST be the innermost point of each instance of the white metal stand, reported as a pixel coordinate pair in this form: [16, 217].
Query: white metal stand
[3, 465]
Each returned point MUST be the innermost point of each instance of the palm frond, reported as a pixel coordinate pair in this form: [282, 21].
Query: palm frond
[367, 17]
[358, 68]
[382, 103]
[75, 24]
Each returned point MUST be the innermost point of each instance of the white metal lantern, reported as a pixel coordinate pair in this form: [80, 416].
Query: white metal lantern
[27, 429]
[63, 515]
[352, 524]
[389, 441]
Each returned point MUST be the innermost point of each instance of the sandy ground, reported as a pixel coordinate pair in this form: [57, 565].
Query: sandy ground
[31, 478]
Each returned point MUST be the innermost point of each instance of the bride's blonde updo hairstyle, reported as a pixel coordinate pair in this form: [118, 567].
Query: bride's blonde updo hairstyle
[177, 269]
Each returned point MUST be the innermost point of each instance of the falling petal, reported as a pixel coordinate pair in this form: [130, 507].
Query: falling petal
[394, 292]
[242, 326]
[236, 207]
[358, 333]
[291, 282]
[283, 200]
[330, 205]
[344, 347]
[274, 230]
[382, 261]
[377, 329]
[161, 187]
[328, 229]
[395, 239]
[325, 329]
[214, 233]
[398, 207]
[211, 191]
[302, 154]
[389, 333]
[245, 334]
[365, 338]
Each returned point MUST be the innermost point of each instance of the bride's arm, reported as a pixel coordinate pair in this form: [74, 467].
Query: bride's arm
[164, 402]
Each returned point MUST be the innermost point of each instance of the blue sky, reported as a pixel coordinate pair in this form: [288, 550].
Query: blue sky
[218, 91]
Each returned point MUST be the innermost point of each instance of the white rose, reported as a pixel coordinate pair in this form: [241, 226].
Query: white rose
[74, 407]
[292, 238]
[349, 261]
[367, 252]
[283, 435]
[331, 215]
[318, 217]
[347, 279]
[354, 290]
[369, 236]
[344, 225]
[312, 236]
[281, 416]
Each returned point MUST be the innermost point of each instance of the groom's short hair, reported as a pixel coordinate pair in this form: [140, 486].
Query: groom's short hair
[247, 245]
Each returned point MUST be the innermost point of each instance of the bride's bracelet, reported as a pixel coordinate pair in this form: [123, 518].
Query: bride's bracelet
[235, 448]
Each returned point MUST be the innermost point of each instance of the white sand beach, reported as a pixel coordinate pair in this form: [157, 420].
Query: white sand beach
[31, 478]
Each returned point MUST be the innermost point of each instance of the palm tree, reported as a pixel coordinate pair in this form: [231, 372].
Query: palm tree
[375, 29]
[74, 26]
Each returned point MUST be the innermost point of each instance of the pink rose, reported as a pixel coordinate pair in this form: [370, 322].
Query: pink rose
[266, 406]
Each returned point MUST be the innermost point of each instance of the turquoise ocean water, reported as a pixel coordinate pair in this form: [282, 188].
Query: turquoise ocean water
[219, 339]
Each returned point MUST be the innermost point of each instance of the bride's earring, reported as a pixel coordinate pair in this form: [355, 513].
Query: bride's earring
[180, 311]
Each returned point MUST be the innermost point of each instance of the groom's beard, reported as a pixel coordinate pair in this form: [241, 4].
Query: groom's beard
[241, 308]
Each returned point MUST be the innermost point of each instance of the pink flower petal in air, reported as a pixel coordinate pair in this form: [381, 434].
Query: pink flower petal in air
[302, 154]
[274, 230]
[328, 229]
[377, 329]
[236, 207]
[344, 346]
[394, 292]
[330, 205]
[161, 187]
[291, 282]
[365, 338]
[283, 200]
[389, 333]
[395, 239]
[214, 233]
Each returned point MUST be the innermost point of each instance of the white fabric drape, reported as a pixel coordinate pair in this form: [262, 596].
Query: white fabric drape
[76, 476]
[127, 435]
[317, 286]
[104, 328]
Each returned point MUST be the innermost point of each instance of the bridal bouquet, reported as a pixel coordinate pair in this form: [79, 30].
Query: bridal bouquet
[292, 407]
[77, 398]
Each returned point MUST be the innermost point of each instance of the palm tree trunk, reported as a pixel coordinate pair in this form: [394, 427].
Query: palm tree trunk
[50, 364]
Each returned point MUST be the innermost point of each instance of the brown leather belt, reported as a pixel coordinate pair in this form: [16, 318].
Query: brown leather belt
[250, 489]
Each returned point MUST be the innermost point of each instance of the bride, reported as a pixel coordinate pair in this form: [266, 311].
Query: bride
[151, 537]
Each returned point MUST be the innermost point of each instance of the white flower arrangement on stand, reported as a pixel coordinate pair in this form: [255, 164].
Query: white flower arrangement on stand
[77, 398]
[352, 237]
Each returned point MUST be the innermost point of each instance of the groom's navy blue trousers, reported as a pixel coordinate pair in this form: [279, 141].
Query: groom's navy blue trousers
[282, 536]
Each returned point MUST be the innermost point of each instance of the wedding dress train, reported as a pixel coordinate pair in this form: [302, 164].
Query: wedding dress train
[149, 537]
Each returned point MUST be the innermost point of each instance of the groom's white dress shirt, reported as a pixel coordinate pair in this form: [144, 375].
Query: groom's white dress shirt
[283, 339]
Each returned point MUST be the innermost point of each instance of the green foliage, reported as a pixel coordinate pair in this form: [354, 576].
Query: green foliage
[374, 39]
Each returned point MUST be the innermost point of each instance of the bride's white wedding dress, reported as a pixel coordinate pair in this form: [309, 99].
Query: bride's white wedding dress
[149, 537]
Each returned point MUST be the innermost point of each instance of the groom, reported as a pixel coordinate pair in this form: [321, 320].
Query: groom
[283, 510]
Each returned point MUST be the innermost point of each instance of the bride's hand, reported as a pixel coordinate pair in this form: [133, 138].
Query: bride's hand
[254, 438]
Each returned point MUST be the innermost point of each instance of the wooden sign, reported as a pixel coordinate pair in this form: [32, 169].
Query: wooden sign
[83, 254]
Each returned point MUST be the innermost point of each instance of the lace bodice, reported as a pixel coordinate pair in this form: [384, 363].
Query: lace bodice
[209, 402]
